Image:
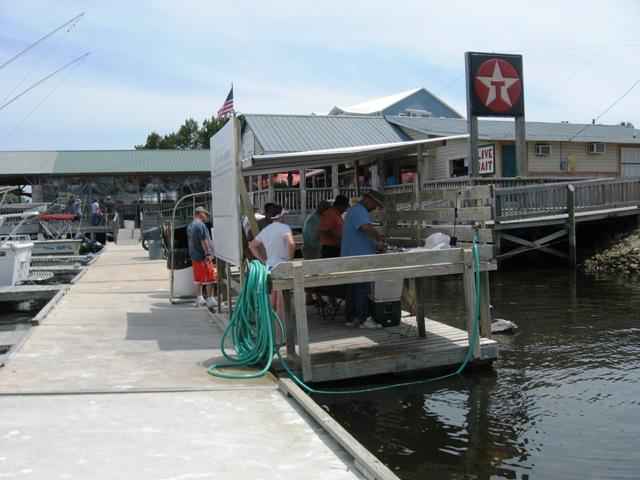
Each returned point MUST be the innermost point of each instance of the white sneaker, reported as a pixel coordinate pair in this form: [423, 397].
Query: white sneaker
[370, 324]
[352, 323]
[201, 302]
[211, 303]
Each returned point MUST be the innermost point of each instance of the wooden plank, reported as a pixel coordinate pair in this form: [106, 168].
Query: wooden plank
[336, 271]
[50, 304]
[373, 468]
[31, 292]
[470, 297]
[302, 327]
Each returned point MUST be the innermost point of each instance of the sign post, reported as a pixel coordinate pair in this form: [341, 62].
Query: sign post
[495, 89]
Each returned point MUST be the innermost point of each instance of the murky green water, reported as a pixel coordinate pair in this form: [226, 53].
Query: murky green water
[562, 401]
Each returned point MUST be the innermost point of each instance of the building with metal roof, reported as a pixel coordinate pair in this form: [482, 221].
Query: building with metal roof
[127, 175]
[553, 149]
[418, 102]
[344, 141]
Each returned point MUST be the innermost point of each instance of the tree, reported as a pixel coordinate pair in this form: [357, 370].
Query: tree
[188, 137]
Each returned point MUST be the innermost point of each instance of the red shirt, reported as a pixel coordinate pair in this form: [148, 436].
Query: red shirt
[331, 220]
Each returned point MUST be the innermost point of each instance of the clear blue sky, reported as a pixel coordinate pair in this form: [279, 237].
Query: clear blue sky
[152, 64]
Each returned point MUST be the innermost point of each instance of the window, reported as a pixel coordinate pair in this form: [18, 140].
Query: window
[459, 167]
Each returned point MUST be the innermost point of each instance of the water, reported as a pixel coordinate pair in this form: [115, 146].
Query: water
[562, 401]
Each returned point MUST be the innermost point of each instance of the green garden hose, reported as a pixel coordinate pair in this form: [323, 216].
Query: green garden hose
[252, 327]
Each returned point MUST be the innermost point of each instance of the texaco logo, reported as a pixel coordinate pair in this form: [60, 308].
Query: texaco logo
[498, 85]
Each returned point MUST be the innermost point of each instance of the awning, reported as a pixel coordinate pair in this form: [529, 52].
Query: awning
[283, 162]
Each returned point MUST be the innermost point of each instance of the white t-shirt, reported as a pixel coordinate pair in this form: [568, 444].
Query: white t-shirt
[272, 237]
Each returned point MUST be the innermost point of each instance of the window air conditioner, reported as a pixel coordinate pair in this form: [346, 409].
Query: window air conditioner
[596, 148]
[543, 149]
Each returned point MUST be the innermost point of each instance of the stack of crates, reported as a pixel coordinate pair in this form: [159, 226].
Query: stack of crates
[385, 302]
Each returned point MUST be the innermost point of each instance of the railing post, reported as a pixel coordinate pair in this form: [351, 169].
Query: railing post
[571, 213]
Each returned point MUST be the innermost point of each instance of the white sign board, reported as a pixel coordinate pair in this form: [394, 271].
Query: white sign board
[486, 159]
[225, 212]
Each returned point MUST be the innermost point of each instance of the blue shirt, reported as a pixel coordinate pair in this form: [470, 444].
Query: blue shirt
[354, 240]
[196, 232]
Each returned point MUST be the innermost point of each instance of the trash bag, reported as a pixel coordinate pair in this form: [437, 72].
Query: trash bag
[437, 241]
[179, 258]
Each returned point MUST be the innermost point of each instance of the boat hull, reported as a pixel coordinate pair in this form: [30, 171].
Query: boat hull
[57, 247]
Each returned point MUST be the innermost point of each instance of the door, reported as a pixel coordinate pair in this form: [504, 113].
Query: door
[509, 161]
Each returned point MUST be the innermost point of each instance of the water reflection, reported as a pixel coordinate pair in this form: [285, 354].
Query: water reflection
[561, 401]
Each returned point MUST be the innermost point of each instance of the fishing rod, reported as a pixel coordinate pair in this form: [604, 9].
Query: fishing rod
[80, 58]
[41, 40]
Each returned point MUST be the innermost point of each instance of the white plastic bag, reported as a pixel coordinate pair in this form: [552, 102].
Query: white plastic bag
[437, 241]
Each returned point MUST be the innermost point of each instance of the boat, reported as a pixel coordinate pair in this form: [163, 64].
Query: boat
[68, 246]
[15, 261]
[15, 249]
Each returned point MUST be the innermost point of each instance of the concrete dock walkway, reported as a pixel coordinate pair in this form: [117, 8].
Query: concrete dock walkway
[113, 385]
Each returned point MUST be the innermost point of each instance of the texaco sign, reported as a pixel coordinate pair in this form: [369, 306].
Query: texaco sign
[496, 85]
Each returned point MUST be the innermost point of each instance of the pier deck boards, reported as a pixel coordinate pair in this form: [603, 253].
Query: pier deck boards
[339, 352]
[324, 351]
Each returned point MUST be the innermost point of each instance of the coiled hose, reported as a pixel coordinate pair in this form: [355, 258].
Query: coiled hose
[252, 327]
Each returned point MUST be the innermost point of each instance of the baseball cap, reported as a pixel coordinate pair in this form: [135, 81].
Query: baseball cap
[201, 210]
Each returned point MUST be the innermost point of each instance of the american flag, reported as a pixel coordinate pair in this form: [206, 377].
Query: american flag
[227, 106]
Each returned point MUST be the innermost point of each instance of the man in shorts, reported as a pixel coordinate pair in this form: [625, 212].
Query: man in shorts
[201, 257]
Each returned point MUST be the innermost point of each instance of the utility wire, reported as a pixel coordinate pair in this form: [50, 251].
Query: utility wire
[609, 108]
[584, 64]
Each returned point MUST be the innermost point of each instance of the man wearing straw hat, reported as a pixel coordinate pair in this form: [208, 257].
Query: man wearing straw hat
[359, 237]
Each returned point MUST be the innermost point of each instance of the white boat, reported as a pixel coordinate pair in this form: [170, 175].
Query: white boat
[15, 262]
[15, 252]
[67, 246]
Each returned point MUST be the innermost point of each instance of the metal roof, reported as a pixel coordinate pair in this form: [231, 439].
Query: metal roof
[535, 131]
[259, 164]
[298, 133]
[107, 162]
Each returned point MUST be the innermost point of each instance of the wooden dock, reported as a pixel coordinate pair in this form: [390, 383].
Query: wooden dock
[338, 352]
[324, 352]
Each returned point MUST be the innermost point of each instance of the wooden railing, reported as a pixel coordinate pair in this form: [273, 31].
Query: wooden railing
[514, 198]
[518, 203]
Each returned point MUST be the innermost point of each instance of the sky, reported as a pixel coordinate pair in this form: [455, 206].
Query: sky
[153, 64]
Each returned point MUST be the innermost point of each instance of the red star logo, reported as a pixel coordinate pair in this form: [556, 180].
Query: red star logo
[498, 85]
